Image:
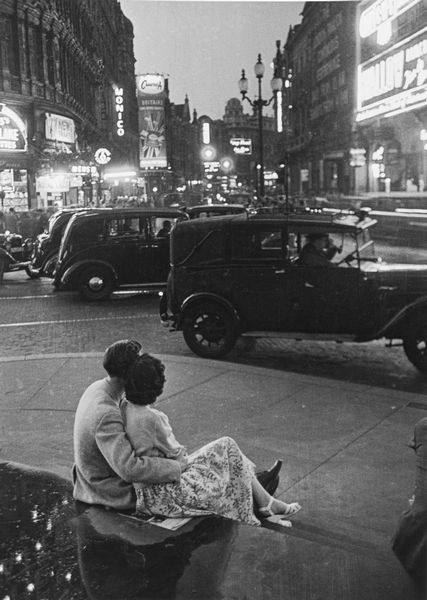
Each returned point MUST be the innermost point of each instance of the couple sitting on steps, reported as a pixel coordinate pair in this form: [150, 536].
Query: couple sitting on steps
[126, 456]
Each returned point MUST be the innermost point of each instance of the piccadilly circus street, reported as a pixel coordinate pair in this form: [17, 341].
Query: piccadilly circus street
[35, 319]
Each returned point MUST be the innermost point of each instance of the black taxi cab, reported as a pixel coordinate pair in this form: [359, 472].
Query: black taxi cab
[245, 275]
[108, 249]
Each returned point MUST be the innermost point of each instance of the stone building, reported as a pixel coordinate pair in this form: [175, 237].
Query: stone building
[67, 89]
[319, 98]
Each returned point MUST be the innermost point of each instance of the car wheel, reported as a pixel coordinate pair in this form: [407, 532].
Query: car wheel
[95, 283]
[49, 268]
[415, 343]
[209, 330]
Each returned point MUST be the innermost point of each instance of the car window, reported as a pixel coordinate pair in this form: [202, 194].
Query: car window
[124, 227]
[210, 250]
[256, 243]
[88, 230]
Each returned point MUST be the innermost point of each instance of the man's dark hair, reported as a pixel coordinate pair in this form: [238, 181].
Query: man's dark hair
[119, 357]
[145, 380]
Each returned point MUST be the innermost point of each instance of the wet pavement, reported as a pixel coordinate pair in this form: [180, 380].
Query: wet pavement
[52, 548]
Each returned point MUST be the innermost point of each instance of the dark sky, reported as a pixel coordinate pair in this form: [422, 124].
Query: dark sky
[203, 46]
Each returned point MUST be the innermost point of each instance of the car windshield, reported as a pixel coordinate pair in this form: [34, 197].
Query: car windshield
[343, 249]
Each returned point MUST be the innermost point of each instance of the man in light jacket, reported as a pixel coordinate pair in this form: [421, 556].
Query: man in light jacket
[105, 463]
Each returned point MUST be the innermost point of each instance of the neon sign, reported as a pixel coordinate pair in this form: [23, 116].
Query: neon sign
[377, 18]
[13, 135]
[394, 81]
[118, 93]
[241, 145]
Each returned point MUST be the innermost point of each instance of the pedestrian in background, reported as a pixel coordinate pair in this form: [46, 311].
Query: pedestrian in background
[6, 260]
[12, 221]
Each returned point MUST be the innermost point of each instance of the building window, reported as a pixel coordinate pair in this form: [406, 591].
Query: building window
[10, 46]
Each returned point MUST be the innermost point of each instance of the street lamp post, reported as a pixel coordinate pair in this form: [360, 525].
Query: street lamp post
[259, 103]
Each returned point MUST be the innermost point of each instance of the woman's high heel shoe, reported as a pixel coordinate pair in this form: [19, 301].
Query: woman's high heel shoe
[270, 479]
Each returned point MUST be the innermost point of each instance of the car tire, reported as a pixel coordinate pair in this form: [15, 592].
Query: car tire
[95, 283]
[49, 268]
[209, 330]
[415, 342]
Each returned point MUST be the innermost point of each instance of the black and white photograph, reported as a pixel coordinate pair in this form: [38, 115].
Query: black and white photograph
[213, 300]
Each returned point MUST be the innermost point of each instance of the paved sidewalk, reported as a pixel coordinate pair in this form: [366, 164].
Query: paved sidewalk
[344, 446]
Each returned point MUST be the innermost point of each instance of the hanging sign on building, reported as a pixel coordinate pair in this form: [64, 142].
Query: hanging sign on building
[102, 156]
[13, 134]
[151, 119]
[60, 129]
[357, 157]
[119, 108]
[241, 146]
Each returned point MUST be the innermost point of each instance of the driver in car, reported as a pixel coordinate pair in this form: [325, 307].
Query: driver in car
[318, 251]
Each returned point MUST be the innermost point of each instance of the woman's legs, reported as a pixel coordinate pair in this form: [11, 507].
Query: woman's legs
[262, 499]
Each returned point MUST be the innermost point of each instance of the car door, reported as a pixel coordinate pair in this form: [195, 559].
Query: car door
[154, 254]
[124, 241]
[323, 299]
[255, 277]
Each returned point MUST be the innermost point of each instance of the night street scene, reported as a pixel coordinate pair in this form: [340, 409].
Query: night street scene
[213, 292]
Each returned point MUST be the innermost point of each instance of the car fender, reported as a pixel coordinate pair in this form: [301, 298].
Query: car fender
[392, 328]
[71, 273]
[210, 297]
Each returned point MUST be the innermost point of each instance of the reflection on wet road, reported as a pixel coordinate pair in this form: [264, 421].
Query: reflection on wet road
[52, 549]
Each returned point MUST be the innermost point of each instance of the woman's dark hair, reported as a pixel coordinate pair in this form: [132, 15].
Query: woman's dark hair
[119, 356]
[145, 380]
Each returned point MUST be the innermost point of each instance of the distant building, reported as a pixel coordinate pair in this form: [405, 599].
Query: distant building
[242, 138]
[67, 85]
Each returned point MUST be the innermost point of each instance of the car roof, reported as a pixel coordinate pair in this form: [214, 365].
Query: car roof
[206, 207]
[310, 222]
[129, 211]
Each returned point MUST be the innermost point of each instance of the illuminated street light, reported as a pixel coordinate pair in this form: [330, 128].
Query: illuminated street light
[259, 103]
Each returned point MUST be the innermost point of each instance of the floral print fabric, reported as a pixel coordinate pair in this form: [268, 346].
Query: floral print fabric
[218, 480]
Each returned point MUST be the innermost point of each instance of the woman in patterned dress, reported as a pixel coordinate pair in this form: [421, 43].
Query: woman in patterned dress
[217, 479]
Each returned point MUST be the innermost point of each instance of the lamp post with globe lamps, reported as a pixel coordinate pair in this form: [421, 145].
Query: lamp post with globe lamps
[259, 103]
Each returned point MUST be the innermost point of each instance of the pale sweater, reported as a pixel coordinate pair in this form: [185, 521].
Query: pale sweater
[150, 432]
[105, 463]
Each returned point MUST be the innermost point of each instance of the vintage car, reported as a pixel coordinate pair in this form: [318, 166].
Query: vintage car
[18, 248]
[214, 210]
[242, 275]
[46, 246]
[107, 249]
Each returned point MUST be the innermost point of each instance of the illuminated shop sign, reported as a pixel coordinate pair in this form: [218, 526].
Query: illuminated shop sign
[151, 120]
[102, 156]
[118, 98]
[206, 132]
[60, 129]
[394, 81]
[151, 84]
[378, 17]
[13, 135]
[211, 166]
[241, 145]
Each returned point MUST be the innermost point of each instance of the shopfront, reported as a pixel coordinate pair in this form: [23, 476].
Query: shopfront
[13, 159]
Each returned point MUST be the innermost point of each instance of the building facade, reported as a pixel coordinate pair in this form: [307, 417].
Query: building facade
[319, 65]
[242, 144]
[391, 110]
[67, 90]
